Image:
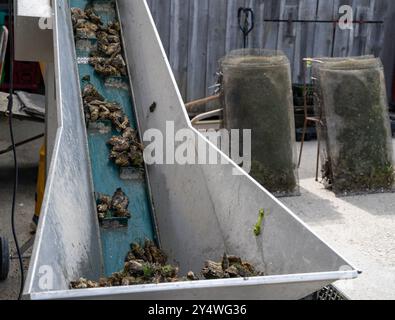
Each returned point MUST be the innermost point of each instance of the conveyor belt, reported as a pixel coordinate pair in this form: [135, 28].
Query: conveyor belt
[106, 175]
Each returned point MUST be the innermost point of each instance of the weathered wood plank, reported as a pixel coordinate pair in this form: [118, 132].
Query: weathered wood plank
[289, 10]
[234, 37]
[161, 12]
[197, 56]
[388, 49]
[178, 49]
[324, 31]
[257, 35]
[272, 11]
[363, 10]
[375, 36]
[216, 46]
[343, 38]
[305, 34]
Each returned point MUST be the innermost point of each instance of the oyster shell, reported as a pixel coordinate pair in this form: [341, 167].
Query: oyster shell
[106, 69]
[90, 93]
[118, 62]
[83, 283]
[119, 144]
[78, 14]
[136, 157]
[103, 206]
[229, 267]
[120, 204]
[120, 120]
[120, 159]
[130, 134]
[93, 17]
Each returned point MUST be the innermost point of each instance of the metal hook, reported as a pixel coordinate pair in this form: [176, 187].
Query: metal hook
[248, 24]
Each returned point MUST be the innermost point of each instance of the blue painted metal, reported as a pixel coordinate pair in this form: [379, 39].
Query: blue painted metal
[106, 175]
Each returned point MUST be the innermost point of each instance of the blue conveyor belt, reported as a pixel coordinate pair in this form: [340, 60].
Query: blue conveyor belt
[106, 175]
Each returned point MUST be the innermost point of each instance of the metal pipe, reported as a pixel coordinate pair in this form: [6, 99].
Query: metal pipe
[199, 102]
[206, 115]
[322, 21]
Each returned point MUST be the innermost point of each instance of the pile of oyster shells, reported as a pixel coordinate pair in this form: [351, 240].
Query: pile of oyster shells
[143, 265]
[229, 267]
[126, 150]
[97, 108]
[107, 59]
[148, 265]
[117, 204]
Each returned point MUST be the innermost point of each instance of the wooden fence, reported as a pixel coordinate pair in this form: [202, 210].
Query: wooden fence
[197, 33]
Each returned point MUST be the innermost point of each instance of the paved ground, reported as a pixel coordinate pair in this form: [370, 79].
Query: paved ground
[28, 161]
[360, 228]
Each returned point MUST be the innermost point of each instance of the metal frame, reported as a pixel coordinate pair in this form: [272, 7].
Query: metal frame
[68, 236]
[316, 120]
[207, 290]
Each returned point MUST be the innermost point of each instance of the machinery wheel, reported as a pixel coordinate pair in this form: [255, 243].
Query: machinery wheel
[4, 259]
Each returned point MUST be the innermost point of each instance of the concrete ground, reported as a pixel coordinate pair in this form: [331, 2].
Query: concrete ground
[28, 157]
[360, 228]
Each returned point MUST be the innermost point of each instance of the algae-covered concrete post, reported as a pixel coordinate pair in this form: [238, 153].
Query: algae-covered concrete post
[258, 97]
[359, 150]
